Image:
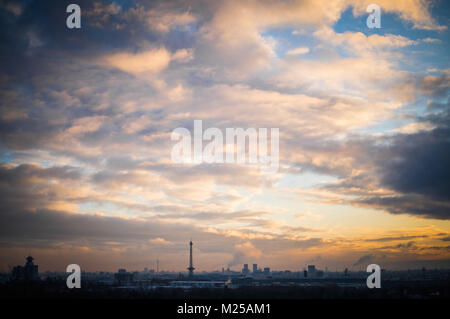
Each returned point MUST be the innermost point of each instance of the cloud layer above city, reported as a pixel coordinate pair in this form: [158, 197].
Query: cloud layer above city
[86, 117]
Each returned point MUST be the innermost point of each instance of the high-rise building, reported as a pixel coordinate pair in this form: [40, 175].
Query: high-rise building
[191, 266]
[266, 270]
[123, 277]
[245, 269]
[255, 268]
[311, 270]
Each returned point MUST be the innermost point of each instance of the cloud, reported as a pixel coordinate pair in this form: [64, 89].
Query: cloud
[12, 7]
[159, 241]
[415, 11]
[431, 40]
[436, 86]
[415, 163]
[154, 61]
[100, 15]
[85, 125]
[243, 252]
[415, 127]
[403, 247]
[148, 62]
[183, 55]
[95, 109]
[382, 239]
[300, 50]
[165, 21]
[358, 42]
[398, 173]
[364, 260]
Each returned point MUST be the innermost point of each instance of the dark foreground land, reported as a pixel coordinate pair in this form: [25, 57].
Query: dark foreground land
[324, 290]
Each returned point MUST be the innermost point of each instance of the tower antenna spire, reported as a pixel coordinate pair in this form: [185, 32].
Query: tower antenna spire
[191, 266]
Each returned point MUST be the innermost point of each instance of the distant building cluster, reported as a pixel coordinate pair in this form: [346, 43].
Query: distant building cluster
[310, 272]
[255, 270]
[29, 272]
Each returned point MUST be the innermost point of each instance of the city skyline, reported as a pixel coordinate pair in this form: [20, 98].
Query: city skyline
[87, 117]
[245, 270]
[308, 270]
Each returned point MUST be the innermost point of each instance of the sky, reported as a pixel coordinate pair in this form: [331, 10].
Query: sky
[86, 117]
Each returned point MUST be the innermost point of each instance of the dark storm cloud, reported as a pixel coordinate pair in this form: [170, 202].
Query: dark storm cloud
[105, 26]
[30, 186]
[414, 166]
[48, 20]
[408, 204]
[381, 239]
[419, 163]
[408, 246]
[436, 86]
[51, 226]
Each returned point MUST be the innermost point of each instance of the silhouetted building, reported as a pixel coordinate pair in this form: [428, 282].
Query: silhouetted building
[28, 272]
[245, 270]
[255, 268]
[191, 266]
[122, 277]
[266, 271]
[311, 270]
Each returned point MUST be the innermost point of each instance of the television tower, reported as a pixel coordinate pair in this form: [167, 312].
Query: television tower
[191, 267]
